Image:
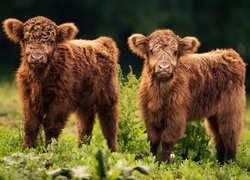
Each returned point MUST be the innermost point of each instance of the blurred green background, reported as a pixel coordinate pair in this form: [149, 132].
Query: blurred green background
[216, 23]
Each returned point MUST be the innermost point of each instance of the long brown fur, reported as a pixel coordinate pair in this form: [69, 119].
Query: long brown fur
[74, 76]
[208, 85]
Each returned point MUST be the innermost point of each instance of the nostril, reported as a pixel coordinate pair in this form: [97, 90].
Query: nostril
[38, 56]
[164, 66]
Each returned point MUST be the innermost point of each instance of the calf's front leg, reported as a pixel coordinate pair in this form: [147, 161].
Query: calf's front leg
[31, 128]
[173, 131]
[53, 125]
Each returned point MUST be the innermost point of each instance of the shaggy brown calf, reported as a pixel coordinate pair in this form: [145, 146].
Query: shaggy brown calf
[59, 75]
[178, 86]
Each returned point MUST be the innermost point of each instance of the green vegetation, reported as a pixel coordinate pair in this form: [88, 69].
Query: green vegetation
[133, 160]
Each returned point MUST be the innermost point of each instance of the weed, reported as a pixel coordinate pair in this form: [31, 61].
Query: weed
[195, 156]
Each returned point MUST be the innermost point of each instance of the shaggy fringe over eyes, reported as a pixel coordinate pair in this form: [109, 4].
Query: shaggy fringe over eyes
[138, 44]
[14, 29]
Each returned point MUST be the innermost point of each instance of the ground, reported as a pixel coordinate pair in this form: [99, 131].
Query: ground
[134, 148]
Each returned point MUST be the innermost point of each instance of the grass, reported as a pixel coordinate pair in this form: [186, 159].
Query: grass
[95, 161]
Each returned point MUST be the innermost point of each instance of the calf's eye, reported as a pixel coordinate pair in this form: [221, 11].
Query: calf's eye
[52, 42]
[25, 40]
[175, 53]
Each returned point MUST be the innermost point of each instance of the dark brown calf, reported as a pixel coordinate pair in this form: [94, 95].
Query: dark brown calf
[178, 86]
[59, 75]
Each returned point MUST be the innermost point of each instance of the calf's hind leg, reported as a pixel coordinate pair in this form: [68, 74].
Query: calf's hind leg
[108, 115]
[213, 130]
[85, 123]
[230, 127]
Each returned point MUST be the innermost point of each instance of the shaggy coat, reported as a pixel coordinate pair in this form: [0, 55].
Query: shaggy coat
[178, 86]
[59, 75]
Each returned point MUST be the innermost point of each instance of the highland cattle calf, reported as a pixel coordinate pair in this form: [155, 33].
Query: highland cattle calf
[178, 86]
[59, 75]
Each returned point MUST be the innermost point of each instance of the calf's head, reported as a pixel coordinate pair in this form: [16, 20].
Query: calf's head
[38, 37]
[161, 50]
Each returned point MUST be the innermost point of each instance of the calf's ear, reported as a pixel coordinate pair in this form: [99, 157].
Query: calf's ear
[14, 29]
[66, 31]
[188, 45]
[138, 44]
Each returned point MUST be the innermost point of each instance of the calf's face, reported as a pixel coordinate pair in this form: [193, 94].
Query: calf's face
[161, 50]
[38, 37]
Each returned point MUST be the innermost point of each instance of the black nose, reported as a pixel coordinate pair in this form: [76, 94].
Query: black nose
[164, 68]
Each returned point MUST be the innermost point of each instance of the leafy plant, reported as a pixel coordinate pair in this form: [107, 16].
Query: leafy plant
[76, 173]
[195, 143]
[101, 166]
[87, 162]
[23, 166]
[128, 171]
[100, 171]
[132, 136]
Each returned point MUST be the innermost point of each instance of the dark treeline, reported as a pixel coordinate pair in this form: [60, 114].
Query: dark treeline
[216, 23]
